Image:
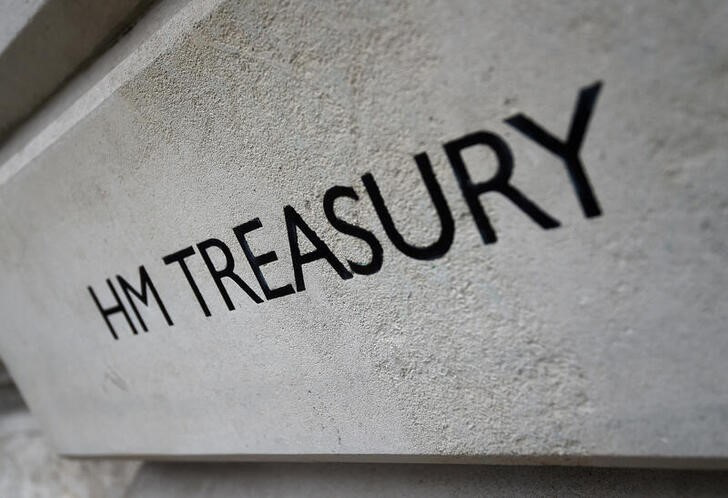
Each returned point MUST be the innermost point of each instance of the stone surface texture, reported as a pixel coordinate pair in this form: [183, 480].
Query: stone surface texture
[605, 337]
[44, 42]
[30, 467]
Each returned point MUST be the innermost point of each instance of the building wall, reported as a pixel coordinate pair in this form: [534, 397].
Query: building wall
[600, 343]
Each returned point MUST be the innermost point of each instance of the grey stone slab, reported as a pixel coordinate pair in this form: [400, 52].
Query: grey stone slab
[43, 43]
[30, 467]
[604, 338]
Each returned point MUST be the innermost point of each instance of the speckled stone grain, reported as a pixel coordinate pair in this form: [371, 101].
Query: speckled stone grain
[604, 337]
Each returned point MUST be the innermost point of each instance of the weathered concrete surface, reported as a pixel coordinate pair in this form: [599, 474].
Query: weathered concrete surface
[42, 43]
[420, 481]
[605, 337]
[30, 468]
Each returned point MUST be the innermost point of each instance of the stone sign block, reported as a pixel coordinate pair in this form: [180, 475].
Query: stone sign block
[453, 231]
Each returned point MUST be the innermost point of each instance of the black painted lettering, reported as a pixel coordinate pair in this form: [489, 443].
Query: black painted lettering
[294, 223]
[118, 308]
[447, 226]
[568, 151]
[375, 263]
[257, 261]
[498, 183]
[145, 283]
[226, 272]
[179, 257]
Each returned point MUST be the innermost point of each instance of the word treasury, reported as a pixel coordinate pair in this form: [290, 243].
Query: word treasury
[224, 275]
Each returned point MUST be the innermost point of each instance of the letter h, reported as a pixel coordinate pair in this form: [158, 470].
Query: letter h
[119, 308]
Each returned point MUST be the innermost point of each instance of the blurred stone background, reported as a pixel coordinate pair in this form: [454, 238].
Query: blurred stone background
[30, 467]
